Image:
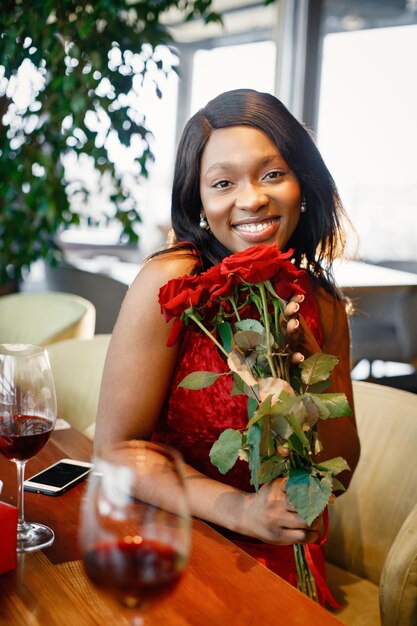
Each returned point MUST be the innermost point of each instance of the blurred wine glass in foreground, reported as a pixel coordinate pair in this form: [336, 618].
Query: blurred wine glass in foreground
[135, 522]
[27, 418]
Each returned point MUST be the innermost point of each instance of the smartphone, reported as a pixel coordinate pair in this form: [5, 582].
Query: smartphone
[59, 477]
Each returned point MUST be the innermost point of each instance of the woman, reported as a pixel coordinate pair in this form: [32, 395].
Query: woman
[246, 173]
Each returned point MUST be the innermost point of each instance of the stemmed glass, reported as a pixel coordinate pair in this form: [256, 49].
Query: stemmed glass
[135, 523]
[27, 418]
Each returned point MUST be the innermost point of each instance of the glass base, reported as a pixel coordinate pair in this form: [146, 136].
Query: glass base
[34, 537]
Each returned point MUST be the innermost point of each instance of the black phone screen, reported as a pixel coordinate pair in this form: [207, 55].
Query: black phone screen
[60, 474]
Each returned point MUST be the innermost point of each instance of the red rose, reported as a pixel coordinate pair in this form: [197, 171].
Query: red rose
[217, 284]
[180, 294]
[175, 333]
[290, 281]
[256, 264]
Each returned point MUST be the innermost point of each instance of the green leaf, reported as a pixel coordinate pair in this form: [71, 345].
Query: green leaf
[254, 440]
[281, 427]
[271, 469]
[323, 411]
[249, 325]
[224, 331]
[335, 403]
[252, 404]
[262, 409]
[199, 380]
[308, 494]
[293, 422]
[337, 485]
[317, 367]
[238, 385]
[247, 340]
[225, 451]
[334, 466]
[320, 387]
[272, 291]
[266, 446]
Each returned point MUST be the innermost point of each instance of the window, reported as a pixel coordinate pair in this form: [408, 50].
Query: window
[367, 133]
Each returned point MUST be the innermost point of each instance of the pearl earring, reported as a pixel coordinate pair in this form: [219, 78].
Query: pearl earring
[303, 206]
[203, 222]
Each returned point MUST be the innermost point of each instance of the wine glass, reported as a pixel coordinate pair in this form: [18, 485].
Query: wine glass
[27, 418]
[135, 523]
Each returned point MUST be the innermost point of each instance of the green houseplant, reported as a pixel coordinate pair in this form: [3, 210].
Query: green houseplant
[84, 58]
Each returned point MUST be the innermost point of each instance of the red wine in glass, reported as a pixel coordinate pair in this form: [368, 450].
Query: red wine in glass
[27, 418]
[135, 523]
[137, 571]
[23, 436]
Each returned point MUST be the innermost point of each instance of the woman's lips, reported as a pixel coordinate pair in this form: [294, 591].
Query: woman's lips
[257, 231]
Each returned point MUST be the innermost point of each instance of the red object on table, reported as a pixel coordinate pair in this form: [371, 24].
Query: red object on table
[8, 537]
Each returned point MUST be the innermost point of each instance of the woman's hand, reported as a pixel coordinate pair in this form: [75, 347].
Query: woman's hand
[270, 517]
[291, 326]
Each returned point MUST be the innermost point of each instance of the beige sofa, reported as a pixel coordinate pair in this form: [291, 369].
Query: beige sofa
[372, 546]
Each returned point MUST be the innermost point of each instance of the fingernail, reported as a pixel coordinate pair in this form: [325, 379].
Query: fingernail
[296, 307]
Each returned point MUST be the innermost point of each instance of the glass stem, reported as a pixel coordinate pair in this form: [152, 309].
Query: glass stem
[20, 495]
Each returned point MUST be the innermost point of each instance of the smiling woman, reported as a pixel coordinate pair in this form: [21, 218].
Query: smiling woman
[247, 173]
[249, 194]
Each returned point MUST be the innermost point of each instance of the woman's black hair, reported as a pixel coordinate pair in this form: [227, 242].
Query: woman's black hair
[318, 237]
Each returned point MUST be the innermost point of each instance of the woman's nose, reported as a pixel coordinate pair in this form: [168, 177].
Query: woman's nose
[250, 198]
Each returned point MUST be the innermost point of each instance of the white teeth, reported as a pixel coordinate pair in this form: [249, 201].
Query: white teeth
[254, 228]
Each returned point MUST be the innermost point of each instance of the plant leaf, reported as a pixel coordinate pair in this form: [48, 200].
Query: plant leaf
[271, 469]
[266, 446]
[281, 427]
[334, 466]
[250, 325]
[320, 387]
[199, 380]
[224, 330]
[247, 340]
[293, 422]
[337, 485]
[254, 439]
[336, 404]
[225, 451]
[237, 363]
[317, 367]
[308, 494]
[264, 408]
[252, 404]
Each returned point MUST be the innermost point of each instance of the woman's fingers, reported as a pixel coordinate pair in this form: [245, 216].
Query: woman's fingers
[297, 358]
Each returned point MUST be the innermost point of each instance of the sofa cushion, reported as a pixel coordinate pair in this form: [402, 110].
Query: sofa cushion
[357, 596]
[398, 585]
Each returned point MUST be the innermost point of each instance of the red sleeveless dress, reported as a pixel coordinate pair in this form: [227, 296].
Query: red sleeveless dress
[191, 421]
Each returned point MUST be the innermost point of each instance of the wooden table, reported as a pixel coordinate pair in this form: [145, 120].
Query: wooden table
[222, 586]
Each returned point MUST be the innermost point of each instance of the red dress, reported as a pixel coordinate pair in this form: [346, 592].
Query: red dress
[191, 421]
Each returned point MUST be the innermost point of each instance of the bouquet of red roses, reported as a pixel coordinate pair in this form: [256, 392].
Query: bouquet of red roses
[240, 305]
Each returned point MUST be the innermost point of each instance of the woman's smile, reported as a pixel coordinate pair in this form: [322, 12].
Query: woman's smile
[249, 194]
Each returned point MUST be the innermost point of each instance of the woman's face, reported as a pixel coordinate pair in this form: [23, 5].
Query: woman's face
[248, 192]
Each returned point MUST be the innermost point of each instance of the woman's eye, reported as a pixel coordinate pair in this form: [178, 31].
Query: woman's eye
[221, 184]
[274, 174]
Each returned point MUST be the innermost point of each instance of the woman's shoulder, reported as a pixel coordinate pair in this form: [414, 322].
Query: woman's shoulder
[169, 264]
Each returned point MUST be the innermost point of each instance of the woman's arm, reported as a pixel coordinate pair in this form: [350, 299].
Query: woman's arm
[139, 364]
